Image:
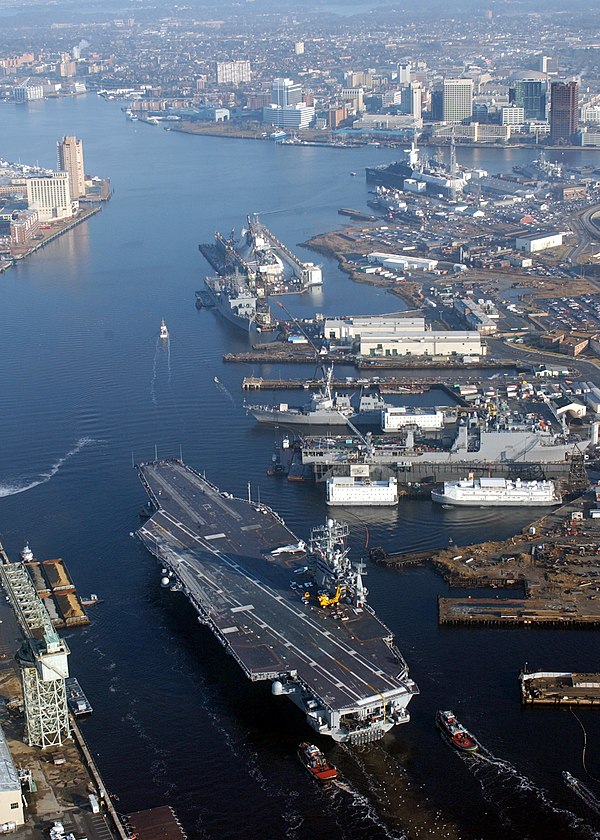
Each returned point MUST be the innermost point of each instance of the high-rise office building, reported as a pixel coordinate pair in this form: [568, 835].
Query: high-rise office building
[437, 105]
[548, 65]
[69, 155]
[285, 92]
[50, 195]
[458, 100]
[404, 69]
[356, 96]
[232, 72]
[529, 94]
[410, 102]
[564, 116]
[299, 47]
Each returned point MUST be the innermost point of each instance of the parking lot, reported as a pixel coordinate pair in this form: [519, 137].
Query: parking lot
[577, 313]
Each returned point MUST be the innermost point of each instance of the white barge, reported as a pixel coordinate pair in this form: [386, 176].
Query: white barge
[353, 491]
[497, 492]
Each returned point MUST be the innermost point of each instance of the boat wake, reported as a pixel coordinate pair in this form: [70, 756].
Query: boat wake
[20, 486]
[521, 803]
[162, 346]
[363, 809]
[169, 360]
[224, 390]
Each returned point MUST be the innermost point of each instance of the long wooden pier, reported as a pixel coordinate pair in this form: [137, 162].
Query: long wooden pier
[515, 612]
[387, 386]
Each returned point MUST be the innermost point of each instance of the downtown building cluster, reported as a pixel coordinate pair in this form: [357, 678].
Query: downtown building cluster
[482, 79]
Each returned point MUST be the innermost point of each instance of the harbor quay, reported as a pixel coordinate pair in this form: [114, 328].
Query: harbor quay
[553, 561]
[60, 783]
[46, 764]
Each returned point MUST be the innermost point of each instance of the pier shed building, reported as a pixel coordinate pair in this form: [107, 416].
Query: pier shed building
[11, 802]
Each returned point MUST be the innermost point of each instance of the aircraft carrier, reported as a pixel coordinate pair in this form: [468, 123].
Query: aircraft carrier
[287, 612]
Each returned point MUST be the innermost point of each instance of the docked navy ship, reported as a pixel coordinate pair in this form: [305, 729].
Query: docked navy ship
[293, 614]
[241, 305]
[325, 408]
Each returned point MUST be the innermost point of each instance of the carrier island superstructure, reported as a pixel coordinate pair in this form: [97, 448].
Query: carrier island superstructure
[287, 612]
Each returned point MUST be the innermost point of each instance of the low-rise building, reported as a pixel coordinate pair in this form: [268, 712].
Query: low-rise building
[589, 136]
[401, 262]
[474, 132]
[11, 800]
[573, 345]
[452, 342]
[540, 241]
[389, 122]
[24, 225]
[475, 316]
[355, 327]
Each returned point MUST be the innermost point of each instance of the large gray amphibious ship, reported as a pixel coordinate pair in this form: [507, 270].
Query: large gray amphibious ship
[287, 612]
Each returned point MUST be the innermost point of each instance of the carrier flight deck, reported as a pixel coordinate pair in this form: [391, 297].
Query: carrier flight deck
[290, 613]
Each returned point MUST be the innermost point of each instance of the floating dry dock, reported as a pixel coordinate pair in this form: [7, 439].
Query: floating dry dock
[553, 688]
[244, 572]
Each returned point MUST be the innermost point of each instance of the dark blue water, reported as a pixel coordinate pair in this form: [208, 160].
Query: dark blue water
[84, 384]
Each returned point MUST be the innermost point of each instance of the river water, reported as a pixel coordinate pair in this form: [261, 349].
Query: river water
[86, 388]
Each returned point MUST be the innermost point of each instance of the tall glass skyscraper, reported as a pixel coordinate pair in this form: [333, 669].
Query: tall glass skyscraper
[529, 94]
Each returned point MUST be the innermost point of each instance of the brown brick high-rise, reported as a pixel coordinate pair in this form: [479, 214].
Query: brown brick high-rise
[564, 112]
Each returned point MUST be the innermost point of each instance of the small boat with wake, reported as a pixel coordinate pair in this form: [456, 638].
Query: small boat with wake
[164, 332]
[316, 762]
[90, 600]
[583, 792]
[456, 733]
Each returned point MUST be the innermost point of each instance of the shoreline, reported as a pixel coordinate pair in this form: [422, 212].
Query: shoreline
[53, 234]
[349, 140]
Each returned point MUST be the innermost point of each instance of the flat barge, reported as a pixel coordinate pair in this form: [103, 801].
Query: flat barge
[559, 688]
[249, 579]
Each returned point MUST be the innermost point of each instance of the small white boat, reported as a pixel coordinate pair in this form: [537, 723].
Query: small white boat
[27, 554]
[164, 332]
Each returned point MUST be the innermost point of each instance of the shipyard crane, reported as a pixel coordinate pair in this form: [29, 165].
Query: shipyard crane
[42, 659]
[319, 351]
[366, 439]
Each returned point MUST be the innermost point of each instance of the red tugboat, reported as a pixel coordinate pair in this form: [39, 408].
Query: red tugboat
[456, 733]
[316, 763]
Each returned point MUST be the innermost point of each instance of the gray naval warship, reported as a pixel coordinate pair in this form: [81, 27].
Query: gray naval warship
[287, 612]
